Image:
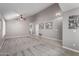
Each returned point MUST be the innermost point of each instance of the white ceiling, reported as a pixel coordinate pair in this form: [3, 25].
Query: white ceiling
[68, 6]
[26, 9]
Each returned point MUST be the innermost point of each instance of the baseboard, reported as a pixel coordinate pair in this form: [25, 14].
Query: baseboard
[16, 37]
[70, 49]
[51, 38]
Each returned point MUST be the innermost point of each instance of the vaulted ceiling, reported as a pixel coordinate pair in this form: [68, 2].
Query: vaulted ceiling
[26, 9]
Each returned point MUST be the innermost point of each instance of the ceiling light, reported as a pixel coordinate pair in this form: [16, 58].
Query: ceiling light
[58, 14]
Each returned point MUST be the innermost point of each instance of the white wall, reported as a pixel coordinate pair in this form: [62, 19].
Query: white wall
[49, 15]
[16, 28]
[70, 38]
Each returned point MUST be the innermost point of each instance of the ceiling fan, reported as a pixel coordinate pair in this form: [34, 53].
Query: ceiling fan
[22, 17]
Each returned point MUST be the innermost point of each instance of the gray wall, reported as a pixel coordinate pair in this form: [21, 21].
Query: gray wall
[0, 33]
[49, 15]
[16, 28]
[1, 38]
[0, 27]
[70, 38]
[0, 30]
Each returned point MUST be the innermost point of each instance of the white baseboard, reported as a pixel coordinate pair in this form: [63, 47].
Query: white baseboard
[70, 49]
[16, 36]
[51, 38]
